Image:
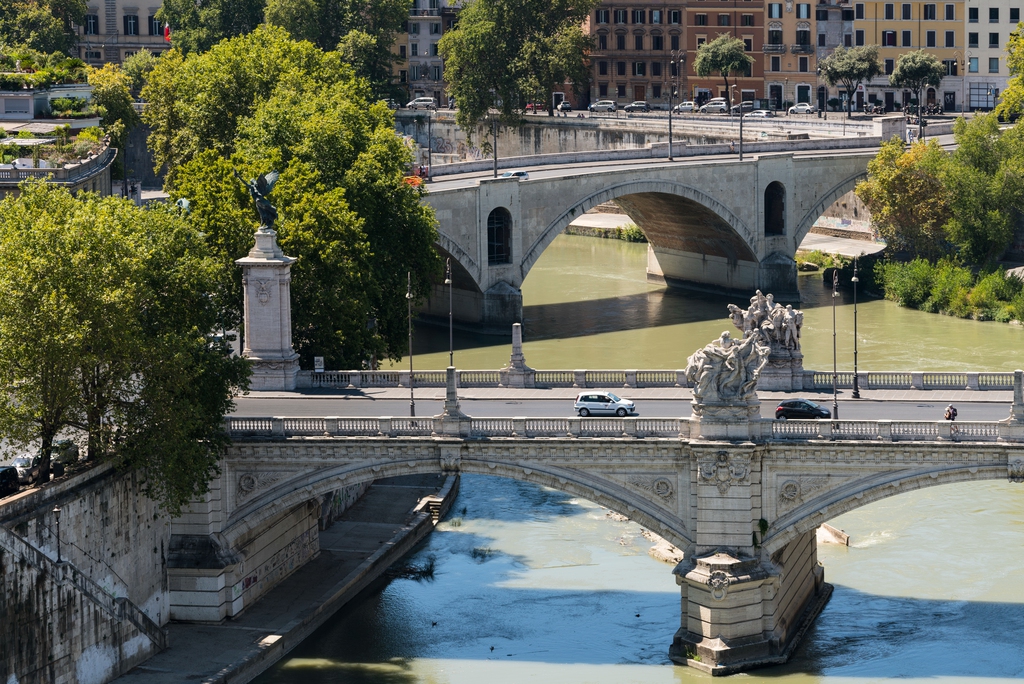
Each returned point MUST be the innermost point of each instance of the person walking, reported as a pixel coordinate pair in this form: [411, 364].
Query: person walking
[950, 414]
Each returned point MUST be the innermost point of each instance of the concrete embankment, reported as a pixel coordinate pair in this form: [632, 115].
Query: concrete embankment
[388, 521]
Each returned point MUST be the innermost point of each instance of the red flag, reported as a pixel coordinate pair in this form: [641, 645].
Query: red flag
[167, 32]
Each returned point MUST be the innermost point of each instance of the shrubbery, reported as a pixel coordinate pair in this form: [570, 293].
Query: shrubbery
[948, 288]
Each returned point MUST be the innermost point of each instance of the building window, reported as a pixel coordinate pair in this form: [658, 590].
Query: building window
[675, 17]
[602, 42]
[620, 16]
[433, 49]
[951, 67]
[747, 20]
[620, 42]
[92, 54]
[435, 29]
[993, 40]
[929, 12]
[723, 19]
[414, 28]
[775, 37]
[499, 232]
[888, 39]
[1015, 15]
[674, 42]
[602, 68]
[655, 16]
[620, 68]
[906, 14]
[403, 76]
[638, 42]
[656, 91]
[414, 72]
[993, 65]
[906, 42]
[154, 27]
[401, 51]
[701, 20]
[972, 65]
[847, 40]
[748, 44]
[415, 49]
[950, 12]
[639, 68]
[92, 24]
[602, 90]
[972, 40]
[821, 15]
[803, 37]
[131, 24]
[972, 15]
[639, 16]
[776, 63]
[859, 8]
[890, 11]
[821, 40]
[950, 39]
[774, 10]
[657, 42]
[803, 10]
[890, 64]
[656, 69]
[859, 35]
[602, 16]
[435, 73]
[701, 40]
[929, 37]
[993, 15]
[620, 90]
[803, 64]
[848, 15]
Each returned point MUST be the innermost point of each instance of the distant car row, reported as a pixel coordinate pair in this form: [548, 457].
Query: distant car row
[716, 105]
[596, 403]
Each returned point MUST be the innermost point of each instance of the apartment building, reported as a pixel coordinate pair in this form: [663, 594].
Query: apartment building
[420, 67]
[899, 27]
[790, 51]
[834, 22]
[743, 19]
[988, 25]
[633, 48]
[116, 29]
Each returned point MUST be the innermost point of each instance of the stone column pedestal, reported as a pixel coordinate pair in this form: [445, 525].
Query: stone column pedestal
[517, 373]
[452, 422]
[266, 281]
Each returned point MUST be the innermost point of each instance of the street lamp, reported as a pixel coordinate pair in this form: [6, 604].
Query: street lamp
[835, 371]
[855, 280]
[740, 104]
[677, 62]
[56, 517]
[408, 299]
[448, 282]
[430, 145]
[961, 61]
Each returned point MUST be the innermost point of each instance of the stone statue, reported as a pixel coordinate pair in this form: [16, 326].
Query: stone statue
[724, 373]
[259, 188]
[778, 325]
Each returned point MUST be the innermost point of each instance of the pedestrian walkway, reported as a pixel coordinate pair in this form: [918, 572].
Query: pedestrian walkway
[355, 551]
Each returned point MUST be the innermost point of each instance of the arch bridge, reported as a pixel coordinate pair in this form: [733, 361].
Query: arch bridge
[743, 509]
[722, 225]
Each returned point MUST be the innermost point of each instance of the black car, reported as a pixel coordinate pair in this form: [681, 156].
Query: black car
[9, 483]
[800, 408]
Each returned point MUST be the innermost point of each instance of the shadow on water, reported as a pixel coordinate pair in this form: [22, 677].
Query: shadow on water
[516, 501]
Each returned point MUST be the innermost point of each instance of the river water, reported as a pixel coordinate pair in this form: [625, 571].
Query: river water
[533, 585]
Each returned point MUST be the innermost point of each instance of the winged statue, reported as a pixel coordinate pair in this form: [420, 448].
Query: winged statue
[259, 188]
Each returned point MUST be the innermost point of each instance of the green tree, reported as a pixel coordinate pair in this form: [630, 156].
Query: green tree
[724, 55]
[111, 91]
[198, 26]
[505, 53]
[105, 332]
[1011, 103]
[914, 71]
[136, 68]
[43, 25]
[850, 67]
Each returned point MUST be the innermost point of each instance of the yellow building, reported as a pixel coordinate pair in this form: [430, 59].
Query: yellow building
[899, 27]
[790, 62]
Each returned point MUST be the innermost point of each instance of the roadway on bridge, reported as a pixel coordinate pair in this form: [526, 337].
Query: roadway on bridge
[361, 406]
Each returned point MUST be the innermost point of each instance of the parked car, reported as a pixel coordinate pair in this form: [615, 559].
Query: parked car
[535, 107]
[519, 175]
[802, 108]
[637, 106]
[10, 481]
[603, 106]
[685, 107]
[717, 105]
[759, 114]
[744, 106]
[27, 467]
[603, 402]
[564, 106]
[800, 408]
[422, 103]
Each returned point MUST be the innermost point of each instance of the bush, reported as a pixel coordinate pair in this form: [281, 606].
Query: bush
[906, 284]
[631, 233]
[950, 286]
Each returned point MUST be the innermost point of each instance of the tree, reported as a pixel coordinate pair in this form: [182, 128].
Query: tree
[914, 71]
[1011, 104]
[725, 55]
[136, 68]
[198, 26]
[111, 92]
[105, 331]
[42, 25]
[504, 53]
[850, 67]
[345, 211]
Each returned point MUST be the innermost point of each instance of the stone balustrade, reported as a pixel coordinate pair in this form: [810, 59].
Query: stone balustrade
[625, 428]
[582, 378]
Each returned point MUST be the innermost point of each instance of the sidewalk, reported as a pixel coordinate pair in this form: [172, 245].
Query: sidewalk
[380, 529]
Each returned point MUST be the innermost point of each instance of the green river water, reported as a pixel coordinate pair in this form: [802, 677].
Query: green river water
[533, 585]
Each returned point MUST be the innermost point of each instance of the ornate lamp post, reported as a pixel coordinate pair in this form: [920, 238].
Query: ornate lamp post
[412, 396]
[855, 280]
[835, 372]
[676, 64]
[56, 517]
[448, 282]
[430, 143]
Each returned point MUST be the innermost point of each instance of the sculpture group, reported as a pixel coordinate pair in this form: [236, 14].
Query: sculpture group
[725, 372]
[778, 325]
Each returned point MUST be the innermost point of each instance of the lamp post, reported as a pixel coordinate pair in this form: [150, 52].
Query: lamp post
[835, 371]
[494, 139]
[448, 282]
[676, 63]
[56, 517]
[855, 280]
[741, 121]
[430, 141]
[408, 299]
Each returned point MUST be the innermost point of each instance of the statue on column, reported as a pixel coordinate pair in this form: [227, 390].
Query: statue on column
[259, 188]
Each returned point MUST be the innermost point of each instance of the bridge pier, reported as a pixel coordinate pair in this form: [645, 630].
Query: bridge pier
[717, 274]
[491, 312]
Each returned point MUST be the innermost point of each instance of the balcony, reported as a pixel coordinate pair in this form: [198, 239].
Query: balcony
[775, 47]
[431, 12]
[802, 49]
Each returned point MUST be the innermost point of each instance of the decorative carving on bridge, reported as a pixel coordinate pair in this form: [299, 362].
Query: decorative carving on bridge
[1015, 469]
[724, 377]
[450, 462]
[719, 582]
[723, 470]
[796, 490]
[251, 482]
[659, 486]
[262, 292]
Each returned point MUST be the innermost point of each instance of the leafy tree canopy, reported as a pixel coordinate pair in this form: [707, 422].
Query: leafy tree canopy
[850, 67]
[1011, 103]
[111, 92]
[137, 68]
[105, 332]
[264, 101]
[914, 71]
[43, 25]
[724, 55]
[505, 53]
[198, 26]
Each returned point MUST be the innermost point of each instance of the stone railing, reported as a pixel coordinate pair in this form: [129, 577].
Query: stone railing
[813, 380]
[630, 428]
[69, 173]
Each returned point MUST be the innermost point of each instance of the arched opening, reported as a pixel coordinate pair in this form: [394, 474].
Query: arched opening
[499, 234]
[775, 209]
[930, 97]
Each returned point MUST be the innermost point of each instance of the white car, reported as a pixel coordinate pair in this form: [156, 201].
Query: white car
[422, 103]
[518, 175]
[715, 106]
[802, 108]
[602, 402]
[603, 106]
[759, 114]
[684, 107]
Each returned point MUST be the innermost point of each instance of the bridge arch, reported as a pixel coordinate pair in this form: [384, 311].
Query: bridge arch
[715, 218]
[285, 494]
[864, 491]
[824, 202]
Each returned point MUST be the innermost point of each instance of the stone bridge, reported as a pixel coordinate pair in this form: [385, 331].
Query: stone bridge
[742, 505]
[723, 225]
